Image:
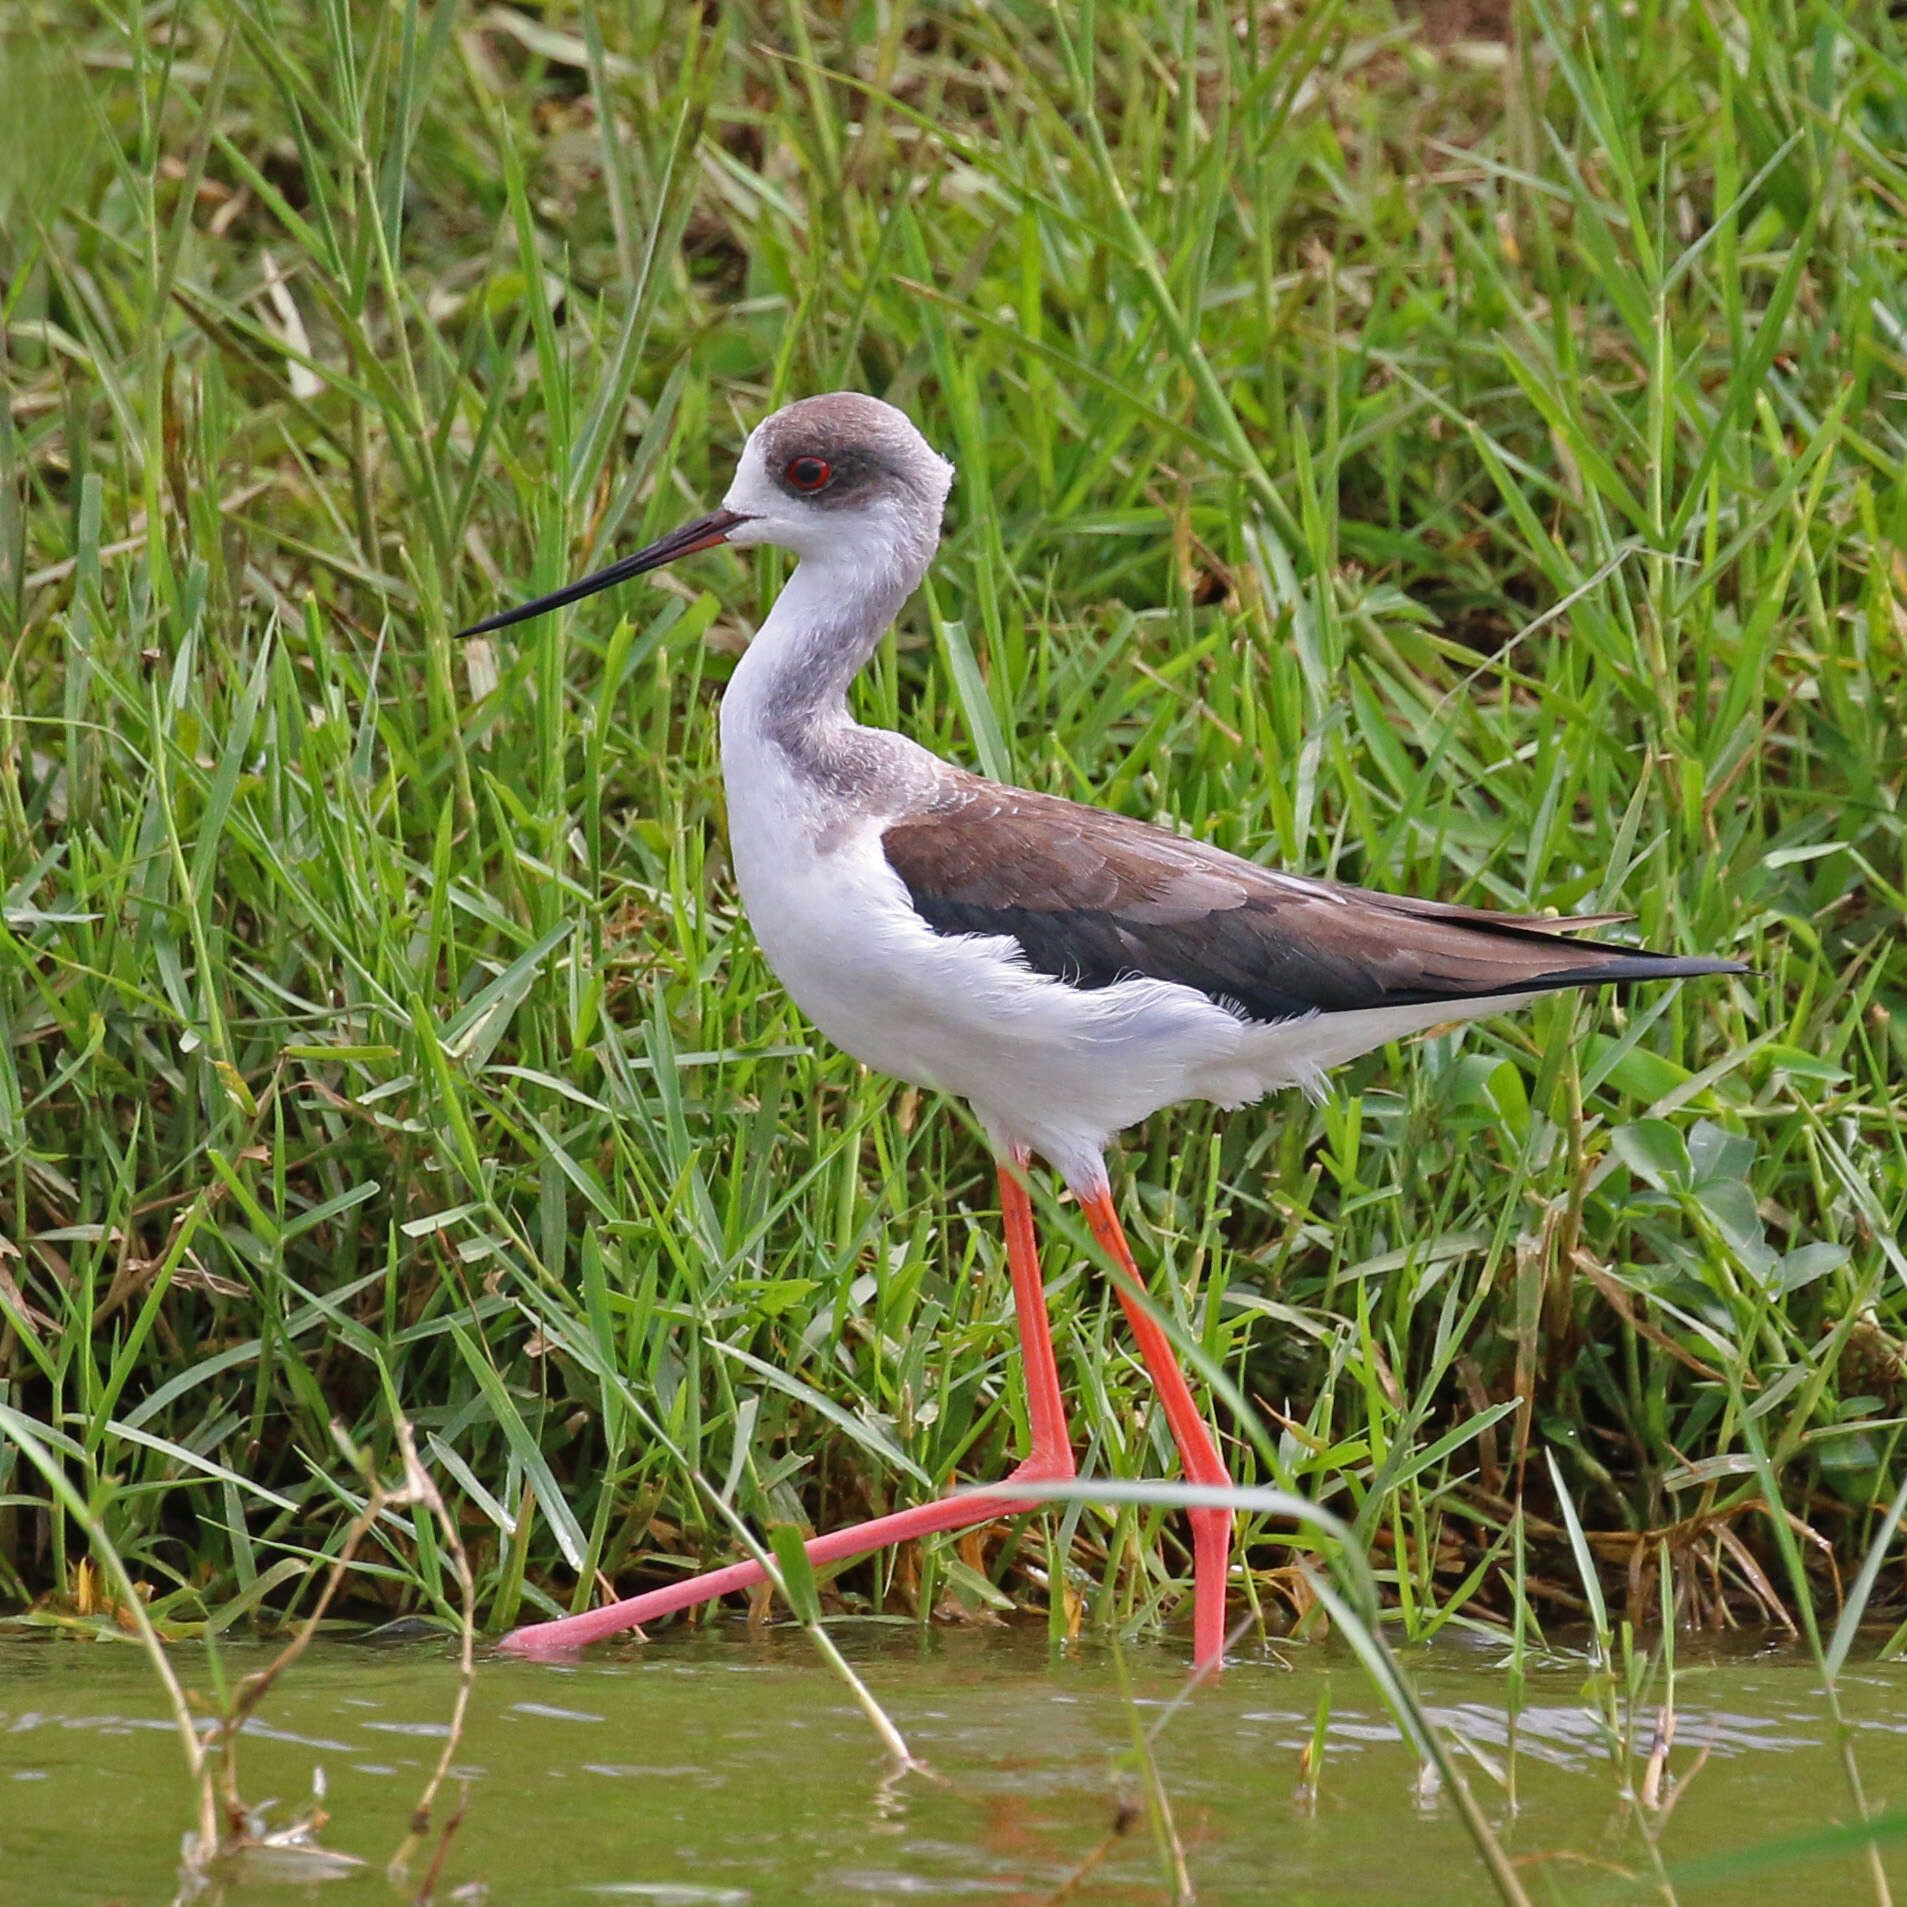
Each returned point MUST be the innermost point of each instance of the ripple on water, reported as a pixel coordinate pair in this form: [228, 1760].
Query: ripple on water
[894, 1881]
[669, 1893]
[632, 1771]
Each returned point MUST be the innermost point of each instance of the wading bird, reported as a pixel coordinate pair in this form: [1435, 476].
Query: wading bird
[1065, 970]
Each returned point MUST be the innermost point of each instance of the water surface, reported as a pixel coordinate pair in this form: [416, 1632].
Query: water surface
[734, 1768]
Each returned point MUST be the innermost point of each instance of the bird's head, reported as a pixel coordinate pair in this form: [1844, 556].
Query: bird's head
[841, 479]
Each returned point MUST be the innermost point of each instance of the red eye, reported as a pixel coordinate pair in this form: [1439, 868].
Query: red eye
[809, 473]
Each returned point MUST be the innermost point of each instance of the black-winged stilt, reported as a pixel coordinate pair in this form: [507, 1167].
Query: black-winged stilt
[1064, 969]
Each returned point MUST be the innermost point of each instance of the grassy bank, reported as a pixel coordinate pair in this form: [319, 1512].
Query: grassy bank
[1470, 467]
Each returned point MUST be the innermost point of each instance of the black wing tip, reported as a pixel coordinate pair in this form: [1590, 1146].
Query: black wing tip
[1625, 970]
[1628, 969]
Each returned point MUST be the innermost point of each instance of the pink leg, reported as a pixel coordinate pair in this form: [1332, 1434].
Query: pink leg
[1049, 1460]
[1211, 1529]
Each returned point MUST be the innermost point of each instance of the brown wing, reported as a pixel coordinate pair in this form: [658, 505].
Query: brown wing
[1093, 897]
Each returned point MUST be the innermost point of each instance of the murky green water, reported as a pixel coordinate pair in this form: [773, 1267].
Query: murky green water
[725, 1768]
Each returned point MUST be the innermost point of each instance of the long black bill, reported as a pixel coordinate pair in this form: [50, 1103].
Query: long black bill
[704, 533]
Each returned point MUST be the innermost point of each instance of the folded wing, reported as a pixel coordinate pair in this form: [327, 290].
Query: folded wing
[1094, 897]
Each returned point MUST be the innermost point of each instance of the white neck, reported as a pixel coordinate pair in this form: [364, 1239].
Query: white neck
[792, 685]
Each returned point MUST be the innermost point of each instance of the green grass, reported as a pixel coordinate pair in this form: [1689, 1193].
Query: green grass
[1475, 471]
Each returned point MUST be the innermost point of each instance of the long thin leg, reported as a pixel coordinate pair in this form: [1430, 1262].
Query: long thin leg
[1211, 1529]
[1049, 1460]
